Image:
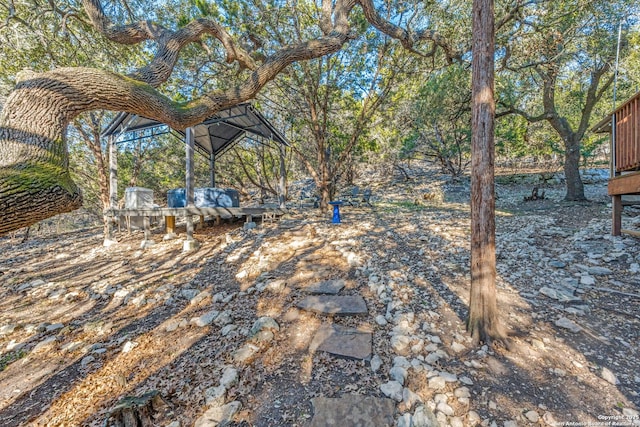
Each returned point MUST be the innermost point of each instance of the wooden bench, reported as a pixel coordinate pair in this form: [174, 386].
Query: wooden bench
[356, 197]
[308, 201]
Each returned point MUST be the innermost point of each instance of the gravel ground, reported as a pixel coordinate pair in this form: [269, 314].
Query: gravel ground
[82, 326]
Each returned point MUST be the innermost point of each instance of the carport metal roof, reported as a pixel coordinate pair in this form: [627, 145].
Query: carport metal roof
[214, 135]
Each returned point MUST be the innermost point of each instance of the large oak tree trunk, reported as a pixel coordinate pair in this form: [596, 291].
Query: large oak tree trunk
[483, 323]
[575, 187]
[34, 178]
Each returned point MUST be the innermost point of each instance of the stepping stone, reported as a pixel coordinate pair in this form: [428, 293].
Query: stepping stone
[327, 287]
[352, 410]
[347, 305]
[341, 341]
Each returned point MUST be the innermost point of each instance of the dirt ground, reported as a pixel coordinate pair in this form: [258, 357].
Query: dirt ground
[82, 325]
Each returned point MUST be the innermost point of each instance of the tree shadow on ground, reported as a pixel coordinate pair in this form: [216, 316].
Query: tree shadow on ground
[129, 322]
[565, 391]
[286, 373]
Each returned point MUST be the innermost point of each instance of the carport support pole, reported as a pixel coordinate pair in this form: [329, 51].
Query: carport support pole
[616, 200]
[212, 169]
[616, 207]
[190, 243]
[109, 239]
[283, 176]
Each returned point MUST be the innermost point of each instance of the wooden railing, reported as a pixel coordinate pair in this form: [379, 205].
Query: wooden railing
[627, 135]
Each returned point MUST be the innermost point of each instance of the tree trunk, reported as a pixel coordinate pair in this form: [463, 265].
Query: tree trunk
[34, 166]
[34, 175]
[92, 139]
[137, 165]
[483, 323]
[325, 195]
[575, 188]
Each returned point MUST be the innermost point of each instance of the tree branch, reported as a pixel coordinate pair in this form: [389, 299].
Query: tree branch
[409, 38]
[593, 96]
[325, 17]
[122, 34]
[170, 43]
[528, 117]
[514, 12]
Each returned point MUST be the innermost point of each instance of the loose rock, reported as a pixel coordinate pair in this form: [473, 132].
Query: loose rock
[437, 383]
[264, 323]
[54, 327]
[218, 415]
[587, 280]
[214, 396]
[229, 377]
[72, 346]
[400, 344]
[410, 398]
[565, 323]
[200, 297]
[392, 390]
[376, 363]
[245, 353]
[445, 409]
[423, 417]
[405, 421]
[174, 324]
[7, 329]
[205, 319]
[223, 319]
[86, 360]
[457, 347]
[609, 377]
[462, 392]
[128, 346]
[380, 320]
[473, 418]
[45, 344]
[448, 377]
[532, 416]
[398, 374]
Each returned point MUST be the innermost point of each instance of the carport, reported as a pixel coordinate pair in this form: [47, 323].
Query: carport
[211, 138]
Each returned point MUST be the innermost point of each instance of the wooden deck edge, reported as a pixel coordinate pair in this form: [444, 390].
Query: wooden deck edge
[631, 232]
[181, 212]
[624, 184]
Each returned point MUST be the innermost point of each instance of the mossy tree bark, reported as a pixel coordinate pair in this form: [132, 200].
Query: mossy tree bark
[34, 177]
[483, 323]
